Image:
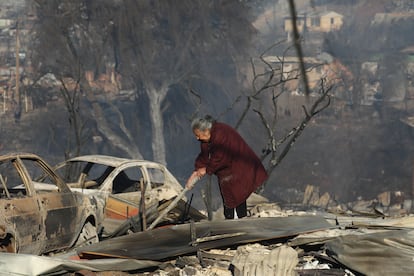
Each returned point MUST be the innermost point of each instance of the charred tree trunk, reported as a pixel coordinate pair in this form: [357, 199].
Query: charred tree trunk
[157, 123]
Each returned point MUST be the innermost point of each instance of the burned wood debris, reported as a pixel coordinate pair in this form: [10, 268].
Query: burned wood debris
[316, 237]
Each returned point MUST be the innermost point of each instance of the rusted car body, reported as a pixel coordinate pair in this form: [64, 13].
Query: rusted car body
[119, 184]
[38, 211]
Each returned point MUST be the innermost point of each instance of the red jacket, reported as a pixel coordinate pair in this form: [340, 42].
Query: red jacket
[240, 172]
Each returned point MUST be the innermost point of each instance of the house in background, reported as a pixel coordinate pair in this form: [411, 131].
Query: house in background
[321, 67]
[324, 22]
[388, 18]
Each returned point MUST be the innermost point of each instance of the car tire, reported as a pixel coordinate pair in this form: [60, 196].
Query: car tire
[88, 235]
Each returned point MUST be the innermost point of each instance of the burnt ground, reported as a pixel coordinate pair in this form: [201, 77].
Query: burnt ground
[354, 155]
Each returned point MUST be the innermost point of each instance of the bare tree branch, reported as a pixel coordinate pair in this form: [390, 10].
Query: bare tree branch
[321, 103]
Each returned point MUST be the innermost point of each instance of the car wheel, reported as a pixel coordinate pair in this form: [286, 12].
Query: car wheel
[88, 235]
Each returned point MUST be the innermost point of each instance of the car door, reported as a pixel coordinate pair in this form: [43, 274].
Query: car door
[58, 204]
[21, 215]
[125, 199]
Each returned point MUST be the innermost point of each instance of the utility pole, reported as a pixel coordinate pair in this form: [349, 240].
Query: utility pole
[17, 73]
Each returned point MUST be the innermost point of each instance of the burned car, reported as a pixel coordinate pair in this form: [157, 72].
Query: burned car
[39, 212]
[131, 192]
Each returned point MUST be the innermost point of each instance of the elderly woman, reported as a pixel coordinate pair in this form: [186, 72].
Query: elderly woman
[225, 154]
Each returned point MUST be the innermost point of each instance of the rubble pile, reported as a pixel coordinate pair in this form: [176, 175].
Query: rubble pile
[316, 237]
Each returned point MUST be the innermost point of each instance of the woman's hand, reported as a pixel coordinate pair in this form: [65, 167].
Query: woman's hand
[201, 172]
[195, 176]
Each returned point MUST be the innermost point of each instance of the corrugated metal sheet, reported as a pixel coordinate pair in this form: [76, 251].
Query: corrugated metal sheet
[176, 240]
[385, 253]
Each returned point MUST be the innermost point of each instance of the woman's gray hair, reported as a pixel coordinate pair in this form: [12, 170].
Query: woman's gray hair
[202, 123]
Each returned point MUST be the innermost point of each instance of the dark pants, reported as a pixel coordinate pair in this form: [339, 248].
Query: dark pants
[241, 211]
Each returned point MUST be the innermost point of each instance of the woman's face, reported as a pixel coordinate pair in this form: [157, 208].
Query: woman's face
[202, 136]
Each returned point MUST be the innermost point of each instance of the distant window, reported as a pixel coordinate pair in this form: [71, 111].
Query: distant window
[319, 69]
[332, 21]
[315, 21]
